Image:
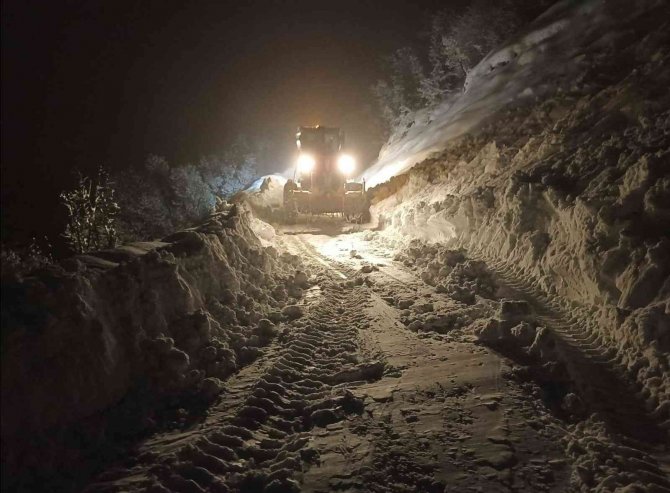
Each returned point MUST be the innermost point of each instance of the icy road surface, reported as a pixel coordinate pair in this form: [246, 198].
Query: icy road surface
[350, 398]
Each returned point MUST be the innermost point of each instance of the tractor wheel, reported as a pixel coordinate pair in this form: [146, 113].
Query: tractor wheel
[290, 209]
[288, 189]
[289, 213]
[366, 217]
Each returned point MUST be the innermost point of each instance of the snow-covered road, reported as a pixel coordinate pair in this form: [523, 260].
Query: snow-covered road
[352, 397]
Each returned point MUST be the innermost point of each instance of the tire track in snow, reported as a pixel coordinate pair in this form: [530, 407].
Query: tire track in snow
[594, 369]
[257, 438]
[600, 381]
[297, 245]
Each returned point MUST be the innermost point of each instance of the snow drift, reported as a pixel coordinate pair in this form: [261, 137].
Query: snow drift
[554, 165]
[103, 331]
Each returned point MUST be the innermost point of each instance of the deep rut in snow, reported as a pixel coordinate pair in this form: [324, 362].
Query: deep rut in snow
[257, 437]
[603, 447]
[622, 429]
[598, 376]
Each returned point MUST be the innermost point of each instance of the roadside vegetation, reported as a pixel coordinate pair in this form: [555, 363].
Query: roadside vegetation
[92, 213]
[141, 203]
[18, 261]
[154, 199]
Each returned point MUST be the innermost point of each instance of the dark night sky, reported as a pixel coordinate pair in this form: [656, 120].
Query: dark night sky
[87, 83]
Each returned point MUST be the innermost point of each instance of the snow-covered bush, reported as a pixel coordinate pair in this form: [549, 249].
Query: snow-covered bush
[227, 173]
[159, 198]
[143, 194]
[191, 193]
[156, 199]
[17, 262]
[92, 212]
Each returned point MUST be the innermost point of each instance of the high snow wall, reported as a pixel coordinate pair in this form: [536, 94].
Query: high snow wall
[163, 318]
[570, 190]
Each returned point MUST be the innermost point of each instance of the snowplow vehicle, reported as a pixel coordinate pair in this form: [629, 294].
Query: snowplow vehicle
[322, 182]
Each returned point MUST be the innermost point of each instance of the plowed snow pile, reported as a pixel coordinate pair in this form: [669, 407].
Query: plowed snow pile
[108, 347]
[265, 196]
[553, 168]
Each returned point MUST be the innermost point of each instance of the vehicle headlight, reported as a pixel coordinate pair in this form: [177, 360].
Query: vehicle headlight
[306, 163]
[346, 164]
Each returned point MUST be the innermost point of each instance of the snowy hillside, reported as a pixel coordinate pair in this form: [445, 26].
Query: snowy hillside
[553, 54]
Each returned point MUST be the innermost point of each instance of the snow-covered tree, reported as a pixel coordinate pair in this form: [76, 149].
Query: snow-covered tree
[192, 198]
[400, 94]
[457, 42]
[92, 212]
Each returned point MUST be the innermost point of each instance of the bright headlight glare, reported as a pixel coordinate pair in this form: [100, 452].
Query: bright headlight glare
[346, 164]
[305, 163]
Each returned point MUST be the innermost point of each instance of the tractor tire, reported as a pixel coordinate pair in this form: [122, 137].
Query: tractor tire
[366, 216]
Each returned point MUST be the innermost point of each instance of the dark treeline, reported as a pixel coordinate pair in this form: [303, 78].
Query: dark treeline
[148, 202]
[455, 40]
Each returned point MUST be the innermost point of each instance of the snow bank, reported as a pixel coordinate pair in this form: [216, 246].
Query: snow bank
[266, 192]
[103, 331]
[566, 183]
[263, 230]
[265, 197]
